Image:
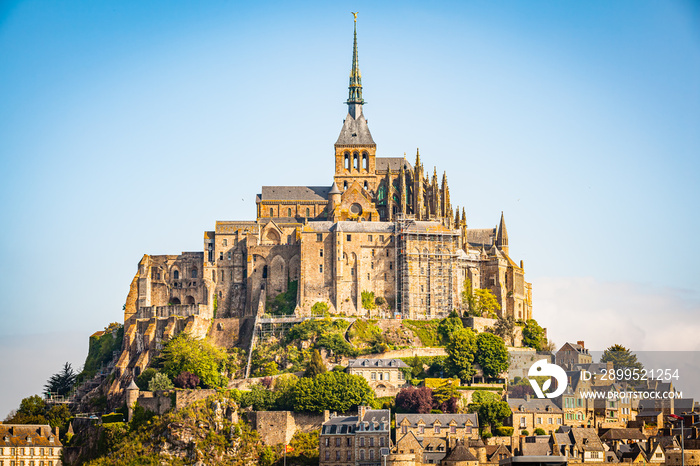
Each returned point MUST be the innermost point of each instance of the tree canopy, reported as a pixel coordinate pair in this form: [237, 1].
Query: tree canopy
[334, 391]
[534, 336]
[448, 326]
[186, 354]
[460, 354]
[491, 354]
[316, 365]
[505, 328]
[62, 382]
[621, 357]
[480, 302]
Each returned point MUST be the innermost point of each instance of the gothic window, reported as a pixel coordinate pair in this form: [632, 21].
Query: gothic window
[356, 160]
[271, 211]
[347, 161]
[176, 274]
[264, 273]
[289, 212]
[365, 161]
[381, 193]
[193, 273]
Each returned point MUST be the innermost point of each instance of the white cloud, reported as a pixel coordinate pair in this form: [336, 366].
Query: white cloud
[639, 316]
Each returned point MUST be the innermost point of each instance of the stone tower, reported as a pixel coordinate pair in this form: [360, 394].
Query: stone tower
[355, 150]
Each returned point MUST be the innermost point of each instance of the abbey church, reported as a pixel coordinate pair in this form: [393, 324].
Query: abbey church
[380, 224]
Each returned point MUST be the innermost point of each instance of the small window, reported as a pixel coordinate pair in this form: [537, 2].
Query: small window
[352, 272]
[368, 277]
[320, 253]
[320, 268]
[371, 441]
[225, 242]
[308, 212]
[328, 455]
[349, 452]
[369, 238]
[391, 266]
[176, 275]
[337, 441]
[347, 443]
[437, 430]
[421, 429]
[453, 429]
[372, 265]
[349, 237]
[271, 212]
[337, 454]
[289, 212]
[319, 237]
[193, 273]
[381, 238]
[362, 441]
[221, 256]
[228, 256]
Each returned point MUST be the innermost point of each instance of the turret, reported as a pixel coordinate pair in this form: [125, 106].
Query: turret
[333, 198]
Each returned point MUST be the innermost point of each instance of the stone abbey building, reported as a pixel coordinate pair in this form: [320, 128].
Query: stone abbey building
[381, 225]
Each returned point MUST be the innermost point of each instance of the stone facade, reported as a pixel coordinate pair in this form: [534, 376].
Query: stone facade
[29, 444]
[355, 440]
[384, 376]
[278, 427]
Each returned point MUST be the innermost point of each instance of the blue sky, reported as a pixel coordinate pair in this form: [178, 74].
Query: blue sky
[131, 127]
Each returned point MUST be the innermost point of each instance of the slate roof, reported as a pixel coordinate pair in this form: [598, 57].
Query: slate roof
[340, 425]
[391, 163]
[355, 132]
[536, 449]
[294, 193]
[623, 434]
[445, 419]
[480, 236]
[538, 405]
[39, 435]
[460, 453]
[376, 363]
[587, 439]
[365, 227]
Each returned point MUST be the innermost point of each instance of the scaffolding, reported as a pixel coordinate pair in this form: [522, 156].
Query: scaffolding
[426, 259]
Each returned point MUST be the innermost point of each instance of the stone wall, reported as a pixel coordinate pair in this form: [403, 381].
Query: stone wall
[277, 427]
[402, 353]
[162, 401]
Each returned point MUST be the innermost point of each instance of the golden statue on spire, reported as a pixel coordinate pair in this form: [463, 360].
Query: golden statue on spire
[354, 14]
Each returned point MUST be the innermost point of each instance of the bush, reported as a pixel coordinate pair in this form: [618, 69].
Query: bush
[112, 417]
[379, 301]
[486, 434]
[524, 432]
[159, 382]
[186, 380]
[540, 431]
[504, 431]
[319, 309]
[145, 377]
[184, 353]
[368, 300]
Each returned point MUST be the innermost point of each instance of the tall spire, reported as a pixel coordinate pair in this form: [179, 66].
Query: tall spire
[355, 99]
[502, 235]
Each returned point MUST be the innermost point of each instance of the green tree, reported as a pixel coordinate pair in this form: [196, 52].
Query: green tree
[31, 410]
[485, 303]
[416, 366]
[460, 354]
[468, 300]
[184, 353]
[484, 396]
[505, 328]
[316, 365]
[491, 354]
[492, 413]
[368, 300]
[319, 308]
[159, 382]
[62, 382]
[448, 326]
[145, 377]
[534, 335]
[334, 391]
[621, 357]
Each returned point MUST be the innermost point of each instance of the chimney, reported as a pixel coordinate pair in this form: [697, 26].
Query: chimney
[580, 343]
[527, 397]
[361, 412]
[56, 431]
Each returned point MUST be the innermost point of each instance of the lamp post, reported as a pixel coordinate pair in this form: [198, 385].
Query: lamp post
[680, 418]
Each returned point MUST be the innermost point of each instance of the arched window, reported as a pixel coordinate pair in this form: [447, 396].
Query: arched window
[176, 274]
[271, 211]
[193, 273]
[356, 160]
[308, 212]
[347, 161]
[365, 185]
[264, 271]
[345, 185]
[289, 212]
[365, 161]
